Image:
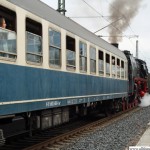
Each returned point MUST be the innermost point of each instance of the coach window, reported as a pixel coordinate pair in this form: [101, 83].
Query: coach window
[118, 68]
[83, 56]
[33, 41]
[71, 53]
[101, 62]
[122, 69]
[8, 49]
[125, 68]
[107, 64]
[113, 66]
[54, 48]
[92, 60]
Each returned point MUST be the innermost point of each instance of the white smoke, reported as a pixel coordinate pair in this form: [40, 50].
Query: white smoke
[122, 12]
[145, 101]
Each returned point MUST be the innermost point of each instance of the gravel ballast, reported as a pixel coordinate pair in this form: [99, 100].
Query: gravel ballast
[116, 136]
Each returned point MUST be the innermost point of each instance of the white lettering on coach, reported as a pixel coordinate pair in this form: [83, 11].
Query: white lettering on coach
[53, 103]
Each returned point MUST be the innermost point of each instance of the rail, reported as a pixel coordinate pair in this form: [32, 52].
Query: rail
[60, 140]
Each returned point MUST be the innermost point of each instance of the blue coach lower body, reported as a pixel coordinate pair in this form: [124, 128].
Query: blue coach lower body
[24, 89]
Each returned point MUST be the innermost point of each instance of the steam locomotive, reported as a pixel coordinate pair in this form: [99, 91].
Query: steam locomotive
[53, 70]
[137, 75]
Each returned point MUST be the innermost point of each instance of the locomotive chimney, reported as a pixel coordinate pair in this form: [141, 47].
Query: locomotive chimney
[115, 44]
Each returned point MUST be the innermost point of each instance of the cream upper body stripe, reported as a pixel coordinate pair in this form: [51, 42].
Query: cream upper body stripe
[58, 98]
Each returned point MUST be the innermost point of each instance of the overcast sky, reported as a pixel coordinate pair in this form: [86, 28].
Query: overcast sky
[94, 15]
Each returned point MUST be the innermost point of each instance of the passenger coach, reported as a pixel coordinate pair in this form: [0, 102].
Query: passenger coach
[52, 69]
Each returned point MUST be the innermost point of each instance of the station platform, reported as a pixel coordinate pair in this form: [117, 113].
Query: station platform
[145, 139]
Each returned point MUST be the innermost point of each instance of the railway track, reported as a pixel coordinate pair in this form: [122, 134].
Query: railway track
[57, 142]
[21, 141]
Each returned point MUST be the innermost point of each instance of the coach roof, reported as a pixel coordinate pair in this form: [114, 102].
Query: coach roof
[44, 11]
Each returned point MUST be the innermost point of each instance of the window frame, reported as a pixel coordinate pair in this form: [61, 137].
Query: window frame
[92, 59]
[107, 61]
[10, 17]
[101, 72]
[118, 68]
[83, 56]
[55, 47]
[69, 66]
[29, 22]
[122, 69]
[113, 66]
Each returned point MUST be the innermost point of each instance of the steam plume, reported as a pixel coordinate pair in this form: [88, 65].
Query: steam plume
[122, 12]
[145, 101]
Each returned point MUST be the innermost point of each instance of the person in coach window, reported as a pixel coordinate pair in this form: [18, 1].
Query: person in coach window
[3, 37]
[2, 22]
